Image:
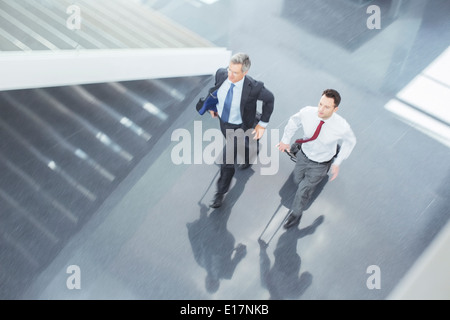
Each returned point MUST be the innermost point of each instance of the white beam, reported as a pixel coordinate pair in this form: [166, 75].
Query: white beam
[37, 69]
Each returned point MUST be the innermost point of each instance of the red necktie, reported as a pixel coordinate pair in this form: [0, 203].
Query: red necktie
[316, 134]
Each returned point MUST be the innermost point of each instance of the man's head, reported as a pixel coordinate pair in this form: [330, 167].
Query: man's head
[329, 103]
[238, 67]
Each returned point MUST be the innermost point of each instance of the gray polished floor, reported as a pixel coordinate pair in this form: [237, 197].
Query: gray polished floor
[154, 236]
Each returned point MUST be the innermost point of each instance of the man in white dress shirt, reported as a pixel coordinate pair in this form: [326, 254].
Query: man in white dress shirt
[318, 154]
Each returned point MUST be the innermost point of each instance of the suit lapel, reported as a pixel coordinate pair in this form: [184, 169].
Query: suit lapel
[246, 89]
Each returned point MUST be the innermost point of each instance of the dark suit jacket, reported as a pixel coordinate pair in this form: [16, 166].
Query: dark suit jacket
[252, 92]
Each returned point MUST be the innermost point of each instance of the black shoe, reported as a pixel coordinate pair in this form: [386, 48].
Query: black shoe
[292, 221]
[262, 244]
[217, 202]
[244, 166]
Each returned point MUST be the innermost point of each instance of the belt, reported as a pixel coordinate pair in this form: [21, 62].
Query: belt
[325, 162]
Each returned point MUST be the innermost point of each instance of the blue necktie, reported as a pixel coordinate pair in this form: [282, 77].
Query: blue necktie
[227, 104]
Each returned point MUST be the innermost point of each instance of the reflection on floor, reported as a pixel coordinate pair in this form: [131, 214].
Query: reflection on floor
[155, 237]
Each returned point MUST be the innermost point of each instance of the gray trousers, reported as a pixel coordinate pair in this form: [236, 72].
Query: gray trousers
[307, 175]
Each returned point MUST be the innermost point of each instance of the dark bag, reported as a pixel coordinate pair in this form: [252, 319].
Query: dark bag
[295, 147]
[292, 153]
[208, 103]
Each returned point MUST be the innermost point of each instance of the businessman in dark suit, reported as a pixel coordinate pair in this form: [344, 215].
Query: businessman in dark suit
[233, 100]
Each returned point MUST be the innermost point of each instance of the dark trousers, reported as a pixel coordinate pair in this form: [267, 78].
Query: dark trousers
[307, 176]
[227, 168]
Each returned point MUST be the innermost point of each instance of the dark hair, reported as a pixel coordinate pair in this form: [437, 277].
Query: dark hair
[331, 93]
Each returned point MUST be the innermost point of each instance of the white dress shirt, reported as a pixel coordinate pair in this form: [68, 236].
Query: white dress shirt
[235, 111]
[334, 131]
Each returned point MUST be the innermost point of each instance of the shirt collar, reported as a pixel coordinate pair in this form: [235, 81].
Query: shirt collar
[237, 84]
[327, 120]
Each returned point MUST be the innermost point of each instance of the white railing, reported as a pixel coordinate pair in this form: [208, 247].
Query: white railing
[37, 69]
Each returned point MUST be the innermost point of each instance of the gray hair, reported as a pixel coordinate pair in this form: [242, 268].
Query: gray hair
[241, 58]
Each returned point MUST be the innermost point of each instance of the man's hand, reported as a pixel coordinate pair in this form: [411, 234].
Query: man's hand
[258, 132]
[213, 114]
[334, 172]
[283, 147]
